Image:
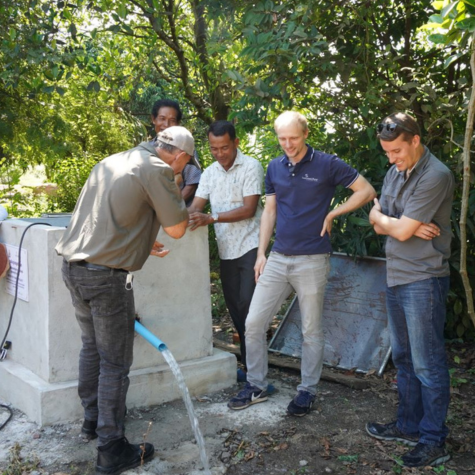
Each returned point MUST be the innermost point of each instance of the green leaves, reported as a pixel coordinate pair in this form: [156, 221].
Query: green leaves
[451, 59]
[93, 86]
[467, 24]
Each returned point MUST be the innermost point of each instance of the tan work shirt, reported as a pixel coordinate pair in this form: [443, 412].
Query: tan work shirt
[125, 200]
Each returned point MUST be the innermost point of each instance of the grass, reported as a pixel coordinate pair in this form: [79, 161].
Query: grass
[17, 464]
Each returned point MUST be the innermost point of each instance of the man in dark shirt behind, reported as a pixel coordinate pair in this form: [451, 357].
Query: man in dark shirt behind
[167, 113]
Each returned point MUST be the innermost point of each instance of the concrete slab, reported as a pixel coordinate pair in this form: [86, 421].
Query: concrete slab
[52, 403]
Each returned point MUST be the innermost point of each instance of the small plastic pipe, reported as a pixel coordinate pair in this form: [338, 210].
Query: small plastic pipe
[150, 337]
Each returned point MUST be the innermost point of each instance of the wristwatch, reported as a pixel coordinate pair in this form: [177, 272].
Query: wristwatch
[215, 217]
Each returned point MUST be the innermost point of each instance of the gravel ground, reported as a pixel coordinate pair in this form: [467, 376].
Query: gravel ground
[259, 440]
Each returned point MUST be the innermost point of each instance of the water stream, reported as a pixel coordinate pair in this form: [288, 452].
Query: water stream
[169, 358]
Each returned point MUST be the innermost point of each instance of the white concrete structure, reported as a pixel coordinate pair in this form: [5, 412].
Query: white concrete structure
[172, 297]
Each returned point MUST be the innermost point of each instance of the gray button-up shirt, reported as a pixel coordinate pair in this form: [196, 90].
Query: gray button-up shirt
[425, 196]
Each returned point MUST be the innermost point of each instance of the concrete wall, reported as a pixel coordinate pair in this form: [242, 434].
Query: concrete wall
[172, 297]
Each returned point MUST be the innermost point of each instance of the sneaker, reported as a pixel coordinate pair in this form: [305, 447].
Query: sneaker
[248, 396]
[301, 404]
[119, 455]
[390, 432]
[423, 455]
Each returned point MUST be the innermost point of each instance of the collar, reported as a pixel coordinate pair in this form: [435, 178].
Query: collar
[149, 147]
[237, 161]
[421, 163]
[308, 157]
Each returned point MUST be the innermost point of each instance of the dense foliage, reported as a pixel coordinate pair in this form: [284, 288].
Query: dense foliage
[77, 80]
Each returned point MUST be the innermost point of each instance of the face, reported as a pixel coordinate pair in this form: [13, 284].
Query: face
[179, 161]
[401, 153]
[166, 117]
[292, 140]
[223, 149]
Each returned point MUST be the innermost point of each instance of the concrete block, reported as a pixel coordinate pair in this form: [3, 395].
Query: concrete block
[172, 297]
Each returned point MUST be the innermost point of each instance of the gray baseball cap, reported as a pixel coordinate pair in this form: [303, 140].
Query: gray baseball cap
[180, 138]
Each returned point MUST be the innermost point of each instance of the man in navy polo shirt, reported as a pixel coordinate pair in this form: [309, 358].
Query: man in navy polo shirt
[299, 188]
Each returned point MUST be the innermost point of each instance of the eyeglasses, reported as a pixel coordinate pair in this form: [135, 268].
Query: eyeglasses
[392, 127]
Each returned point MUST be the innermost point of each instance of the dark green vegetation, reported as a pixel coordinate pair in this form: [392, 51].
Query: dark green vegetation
[78, 78]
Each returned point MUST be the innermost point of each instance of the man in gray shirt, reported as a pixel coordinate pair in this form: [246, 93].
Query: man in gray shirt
[126, 199]
[414, 213]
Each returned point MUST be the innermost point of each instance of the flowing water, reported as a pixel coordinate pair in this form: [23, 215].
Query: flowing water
[189, 407]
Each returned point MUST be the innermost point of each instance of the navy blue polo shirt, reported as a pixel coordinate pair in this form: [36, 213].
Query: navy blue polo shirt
[303, 195]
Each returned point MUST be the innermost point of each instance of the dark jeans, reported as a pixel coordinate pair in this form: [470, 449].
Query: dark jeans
[237, 279]
[105, 312]
[416, 319]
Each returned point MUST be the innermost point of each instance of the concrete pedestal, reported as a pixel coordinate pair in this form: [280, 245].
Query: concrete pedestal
[172, 298]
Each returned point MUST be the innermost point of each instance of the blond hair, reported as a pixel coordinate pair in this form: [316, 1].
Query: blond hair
[290, 118]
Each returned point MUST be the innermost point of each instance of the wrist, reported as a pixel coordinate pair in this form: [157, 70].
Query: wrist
[213, 218]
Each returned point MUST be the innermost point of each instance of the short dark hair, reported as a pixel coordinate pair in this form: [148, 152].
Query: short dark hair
[398, 124]
[167, 103]
[222, 127]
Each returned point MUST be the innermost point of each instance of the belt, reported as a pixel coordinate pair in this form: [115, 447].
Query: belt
[90, 265]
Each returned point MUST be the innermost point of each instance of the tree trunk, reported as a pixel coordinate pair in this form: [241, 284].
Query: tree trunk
[466, 189]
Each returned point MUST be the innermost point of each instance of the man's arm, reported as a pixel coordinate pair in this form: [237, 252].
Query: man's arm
[363, 192]
[197, 205]
[401, 228]
[188, 191]
[246, 211]
[178, 230]
[265, 233]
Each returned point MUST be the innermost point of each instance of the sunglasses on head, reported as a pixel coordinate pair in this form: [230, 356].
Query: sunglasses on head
[391, 127]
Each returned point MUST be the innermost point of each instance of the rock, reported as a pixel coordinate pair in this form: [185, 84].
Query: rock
[303, 463]
[36, 435]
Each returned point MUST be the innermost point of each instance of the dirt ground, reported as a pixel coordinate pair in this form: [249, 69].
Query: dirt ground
[261, 439]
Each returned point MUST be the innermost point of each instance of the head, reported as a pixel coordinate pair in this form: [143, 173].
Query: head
[165, 113]
[176, 146]
[400, 138]
[223, 143]
[292, 132]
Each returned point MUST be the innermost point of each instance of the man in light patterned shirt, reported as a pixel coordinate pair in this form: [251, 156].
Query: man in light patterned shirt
[233, 186]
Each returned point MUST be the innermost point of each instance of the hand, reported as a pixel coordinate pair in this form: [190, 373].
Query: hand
[374, 210]
[179, 179]
[179, 162]
[327, 225]
[158, 251]
[259, 266]
[427, 231]
[199, 219]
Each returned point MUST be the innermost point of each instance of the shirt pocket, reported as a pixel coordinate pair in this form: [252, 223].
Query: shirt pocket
[235, 193]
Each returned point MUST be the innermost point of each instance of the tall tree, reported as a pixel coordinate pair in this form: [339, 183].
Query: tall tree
[455, 30]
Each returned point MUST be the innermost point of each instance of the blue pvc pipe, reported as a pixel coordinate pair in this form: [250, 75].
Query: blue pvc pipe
[150, 337]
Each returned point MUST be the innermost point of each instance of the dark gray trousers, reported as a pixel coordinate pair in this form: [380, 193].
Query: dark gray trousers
[105, 312]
